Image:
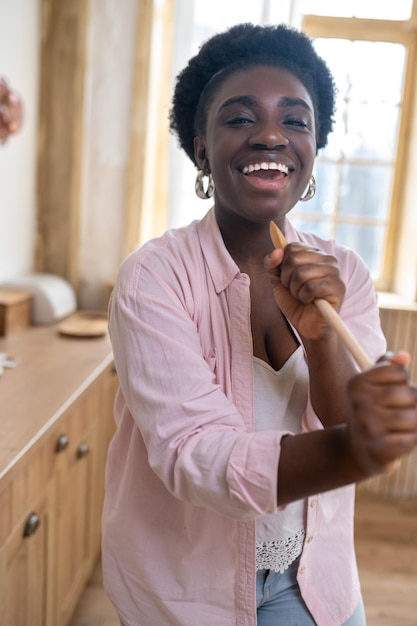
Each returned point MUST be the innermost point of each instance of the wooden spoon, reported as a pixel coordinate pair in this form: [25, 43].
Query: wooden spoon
[336, 322]
[328, 311]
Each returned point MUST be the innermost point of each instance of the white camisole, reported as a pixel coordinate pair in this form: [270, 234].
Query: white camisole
[280, 401]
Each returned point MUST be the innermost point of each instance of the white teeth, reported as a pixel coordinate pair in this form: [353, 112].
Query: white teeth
[255, 167]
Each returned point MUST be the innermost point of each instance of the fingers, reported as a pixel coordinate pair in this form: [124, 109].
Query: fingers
[308, 273]
[299, 275]
[385, 386]
[273, 261]
[383, 422]
[401, 357]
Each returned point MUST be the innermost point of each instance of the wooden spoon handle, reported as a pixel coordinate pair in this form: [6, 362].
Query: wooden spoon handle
[328, 312]
[333, 319]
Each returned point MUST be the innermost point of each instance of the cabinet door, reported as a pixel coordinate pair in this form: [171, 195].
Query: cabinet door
[24, 584]
[73, 562]
[105, 389]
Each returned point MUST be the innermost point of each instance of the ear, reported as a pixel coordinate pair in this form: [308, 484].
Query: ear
[200, 154]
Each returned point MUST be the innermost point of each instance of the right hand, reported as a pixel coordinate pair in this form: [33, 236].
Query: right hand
[383, 415]
[299, 275]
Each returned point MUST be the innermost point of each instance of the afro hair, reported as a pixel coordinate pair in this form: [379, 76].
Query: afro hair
[242, 46]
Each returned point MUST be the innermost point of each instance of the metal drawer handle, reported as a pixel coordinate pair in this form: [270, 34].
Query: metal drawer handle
[82, 450]
[32, 525]
[62, 443]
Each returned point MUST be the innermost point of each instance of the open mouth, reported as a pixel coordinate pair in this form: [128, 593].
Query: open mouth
[263, 168]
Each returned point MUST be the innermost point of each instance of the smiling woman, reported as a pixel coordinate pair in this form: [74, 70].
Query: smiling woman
[267, 120]
[242, 420]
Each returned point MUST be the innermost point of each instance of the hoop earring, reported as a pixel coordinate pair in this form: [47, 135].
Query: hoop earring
[202, 193]
[310, 191]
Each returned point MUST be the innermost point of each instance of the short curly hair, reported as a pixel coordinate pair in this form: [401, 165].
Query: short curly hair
[242, 46]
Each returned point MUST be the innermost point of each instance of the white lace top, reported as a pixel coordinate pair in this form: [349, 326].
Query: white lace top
[280, 401]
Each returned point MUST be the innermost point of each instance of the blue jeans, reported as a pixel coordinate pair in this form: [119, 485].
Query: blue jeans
[279, 601]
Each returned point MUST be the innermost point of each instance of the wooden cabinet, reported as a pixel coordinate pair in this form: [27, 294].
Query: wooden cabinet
[51, 492]
[74, 488]
[24, 569]
[106, 388]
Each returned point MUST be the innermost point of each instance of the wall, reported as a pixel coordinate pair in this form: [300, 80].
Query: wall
[19, 64]
[79, 210]
[109, 82]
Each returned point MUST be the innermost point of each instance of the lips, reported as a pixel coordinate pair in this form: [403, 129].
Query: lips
[268, 176]
[264, 166]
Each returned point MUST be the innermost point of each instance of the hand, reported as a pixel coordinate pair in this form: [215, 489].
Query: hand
[383, 416]
[11, 111]
[300, 274]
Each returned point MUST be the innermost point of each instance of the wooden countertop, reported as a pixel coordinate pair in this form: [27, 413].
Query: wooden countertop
[52, 371]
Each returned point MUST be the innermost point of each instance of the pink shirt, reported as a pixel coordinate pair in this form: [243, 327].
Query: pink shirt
[187, 476]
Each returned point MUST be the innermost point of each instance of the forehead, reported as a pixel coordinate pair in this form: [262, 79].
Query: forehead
[261, 82]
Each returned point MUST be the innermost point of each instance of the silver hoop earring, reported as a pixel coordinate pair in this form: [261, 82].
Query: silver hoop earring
[310, 191]
[202, 193]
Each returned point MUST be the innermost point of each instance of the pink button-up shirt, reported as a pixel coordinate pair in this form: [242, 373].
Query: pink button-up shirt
[187, 476]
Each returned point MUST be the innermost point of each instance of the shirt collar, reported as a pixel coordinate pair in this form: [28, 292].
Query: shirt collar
[222, 267]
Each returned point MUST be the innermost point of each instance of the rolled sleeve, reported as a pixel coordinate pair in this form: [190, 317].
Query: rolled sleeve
[246, 470]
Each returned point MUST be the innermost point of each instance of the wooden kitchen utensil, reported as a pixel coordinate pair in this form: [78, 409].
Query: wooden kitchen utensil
[335, 321]
[328, 311]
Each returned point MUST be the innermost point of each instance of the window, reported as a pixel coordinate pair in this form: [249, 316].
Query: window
[398, 10]
[355, 172]
[359, 174]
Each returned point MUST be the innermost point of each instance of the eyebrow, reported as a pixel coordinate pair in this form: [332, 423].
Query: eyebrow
[253, 100]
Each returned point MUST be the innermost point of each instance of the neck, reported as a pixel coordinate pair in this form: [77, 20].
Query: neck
[248, 242]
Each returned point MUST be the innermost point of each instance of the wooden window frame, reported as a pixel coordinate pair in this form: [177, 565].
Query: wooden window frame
[404, 32]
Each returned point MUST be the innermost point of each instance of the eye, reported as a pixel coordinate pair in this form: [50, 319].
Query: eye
[239, 120]
[296, 121]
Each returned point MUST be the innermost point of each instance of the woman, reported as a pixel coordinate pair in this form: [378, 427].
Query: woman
[242, 421]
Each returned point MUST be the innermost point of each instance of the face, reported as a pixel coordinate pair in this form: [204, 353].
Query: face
[259, 142]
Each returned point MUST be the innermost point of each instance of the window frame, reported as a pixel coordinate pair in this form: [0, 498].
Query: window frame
[403, 32]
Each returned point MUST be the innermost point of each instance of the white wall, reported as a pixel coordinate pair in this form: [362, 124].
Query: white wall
[108, 87]
[108, 92]
[19, 64]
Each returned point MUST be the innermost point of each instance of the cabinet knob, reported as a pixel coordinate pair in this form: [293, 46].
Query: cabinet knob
[82, 450]
[32, 525]
[62, 443]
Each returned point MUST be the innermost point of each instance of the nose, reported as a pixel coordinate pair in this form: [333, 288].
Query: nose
[269, 135]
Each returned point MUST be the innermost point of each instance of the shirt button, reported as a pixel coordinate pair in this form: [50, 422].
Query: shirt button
[313, 503]
[302, 570]
[310, 539]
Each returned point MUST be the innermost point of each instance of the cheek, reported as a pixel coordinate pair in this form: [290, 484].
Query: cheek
[220, 155]
[307, 152]
[307, 145]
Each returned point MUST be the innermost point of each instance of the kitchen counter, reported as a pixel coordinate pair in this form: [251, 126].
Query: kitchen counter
[52, 371]
[56, 423]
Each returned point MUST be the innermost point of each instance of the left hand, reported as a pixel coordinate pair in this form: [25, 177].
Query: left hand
[382, 426]
[300, 274]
